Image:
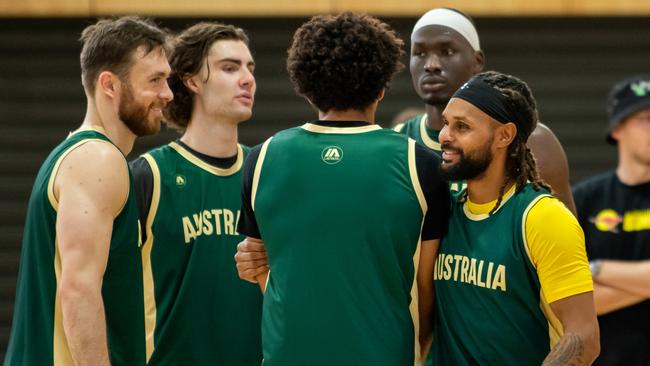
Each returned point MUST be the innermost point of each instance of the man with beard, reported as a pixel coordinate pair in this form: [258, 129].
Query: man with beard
[614, 211]
[350, 213]
[512, 280]
[198, 312]
[79, 297]
[445, 53]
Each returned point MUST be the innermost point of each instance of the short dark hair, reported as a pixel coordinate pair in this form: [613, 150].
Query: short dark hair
[343, 61]
[189, 50]
[109, 45]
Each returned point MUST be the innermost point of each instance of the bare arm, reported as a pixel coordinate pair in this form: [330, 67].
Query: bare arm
[608, 299]
[428, 254]
[252, 262]
[580, 344]
[630, 276]
[91, 187]
[552, 163]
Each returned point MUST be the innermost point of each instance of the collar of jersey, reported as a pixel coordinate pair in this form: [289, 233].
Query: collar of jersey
[430, 142]
[480, 211]
[205, 166]
[314, 127]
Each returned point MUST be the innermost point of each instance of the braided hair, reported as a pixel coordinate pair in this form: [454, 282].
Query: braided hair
[521, 166]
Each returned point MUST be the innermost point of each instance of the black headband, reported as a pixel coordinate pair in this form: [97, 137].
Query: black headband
[496, 105]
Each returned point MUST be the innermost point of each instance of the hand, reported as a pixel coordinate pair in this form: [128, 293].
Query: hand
[251, 259]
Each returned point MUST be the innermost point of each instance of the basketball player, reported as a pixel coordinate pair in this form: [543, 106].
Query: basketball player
[445, 53]
[198, 312]
[512, 280]
[79, 299]
[341, 206]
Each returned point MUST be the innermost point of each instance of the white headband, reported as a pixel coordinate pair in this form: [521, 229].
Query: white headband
[450, 19]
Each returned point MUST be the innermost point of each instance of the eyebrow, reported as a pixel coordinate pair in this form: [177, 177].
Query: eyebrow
[235, 61]
[158, 74]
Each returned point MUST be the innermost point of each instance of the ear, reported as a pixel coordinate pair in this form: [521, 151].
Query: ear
[479, 61]
[192, 84]
[505, 134]
[109, 84]
[382, 93]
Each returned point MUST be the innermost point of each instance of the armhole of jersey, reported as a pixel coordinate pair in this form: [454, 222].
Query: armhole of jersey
[258, 171]
[399, 128]
[415, 181]
[54, 202]
[147, 273]
[524, 220]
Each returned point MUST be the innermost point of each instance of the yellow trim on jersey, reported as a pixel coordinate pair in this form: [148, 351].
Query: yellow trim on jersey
[555, 328]
[428, 141]
[54, 202]
[258, 171]
[523, 228]
[339, 130]
[414, 176]
[147, 273]
[481, 211]
[207, 167]
[61, 351]
[98, 129]
[398, 128]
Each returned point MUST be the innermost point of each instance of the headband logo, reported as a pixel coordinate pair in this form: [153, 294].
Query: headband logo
[641, 88]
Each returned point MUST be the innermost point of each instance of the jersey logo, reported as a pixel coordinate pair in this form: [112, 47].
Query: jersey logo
[180, 181]
[607, 220]
[332, 155]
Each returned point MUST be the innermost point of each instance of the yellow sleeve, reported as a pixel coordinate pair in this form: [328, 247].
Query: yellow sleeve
[556, 245]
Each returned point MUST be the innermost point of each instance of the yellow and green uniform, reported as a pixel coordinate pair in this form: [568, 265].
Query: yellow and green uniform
[198, 311]
[496, 275]
[340, 211]
[37, 336]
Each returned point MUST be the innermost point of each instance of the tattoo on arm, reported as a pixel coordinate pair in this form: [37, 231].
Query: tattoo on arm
[568, 352]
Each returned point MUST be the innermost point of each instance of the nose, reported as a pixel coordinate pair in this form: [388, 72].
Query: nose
[166, 94]
[444, 135]
[248, 79]
[433, 63]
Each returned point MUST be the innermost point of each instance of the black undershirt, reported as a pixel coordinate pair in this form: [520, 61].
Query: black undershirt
[143, 178]
[435, 189]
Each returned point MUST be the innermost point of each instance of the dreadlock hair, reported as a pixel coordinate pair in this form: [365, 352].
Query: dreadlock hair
[521, 166]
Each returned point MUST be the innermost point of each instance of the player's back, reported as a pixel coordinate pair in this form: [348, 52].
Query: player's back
[340, 211]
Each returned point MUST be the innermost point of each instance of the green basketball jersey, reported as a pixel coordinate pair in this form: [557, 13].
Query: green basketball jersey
[37, 336]
[198, 310]
[340, 212]
[418, 129]
[488, 302]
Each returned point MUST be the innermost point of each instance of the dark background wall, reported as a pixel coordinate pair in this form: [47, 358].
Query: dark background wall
[569, 62]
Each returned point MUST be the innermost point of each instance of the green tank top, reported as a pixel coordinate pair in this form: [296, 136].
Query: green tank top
[340, 212]
[198, 310]
[488, 302]
[37, 336]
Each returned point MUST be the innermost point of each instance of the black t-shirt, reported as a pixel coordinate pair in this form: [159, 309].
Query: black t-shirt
[616, 220]
[435, 189]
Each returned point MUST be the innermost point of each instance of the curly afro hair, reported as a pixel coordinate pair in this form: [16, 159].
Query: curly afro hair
[190, 49]
[343, 61]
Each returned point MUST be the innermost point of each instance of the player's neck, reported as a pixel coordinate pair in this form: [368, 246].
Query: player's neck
[631, 171]
[213, 138]
[367, 115]
[486, 187]
[434, 116]
[108, 123]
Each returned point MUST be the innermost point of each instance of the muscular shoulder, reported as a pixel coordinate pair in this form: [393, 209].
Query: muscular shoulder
[96, 171]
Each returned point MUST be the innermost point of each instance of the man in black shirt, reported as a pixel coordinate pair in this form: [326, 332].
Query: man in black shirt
[614, 211]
